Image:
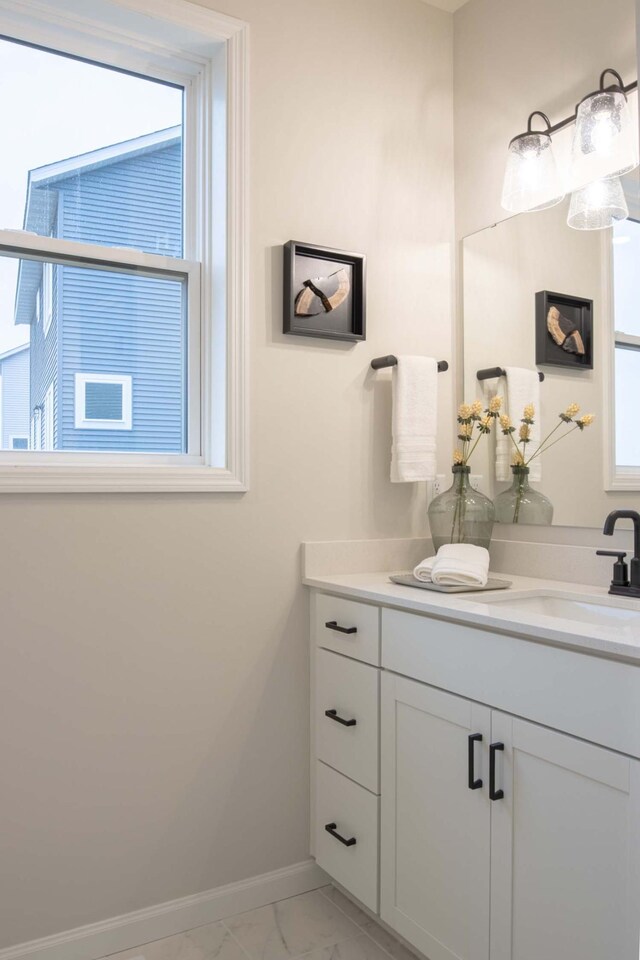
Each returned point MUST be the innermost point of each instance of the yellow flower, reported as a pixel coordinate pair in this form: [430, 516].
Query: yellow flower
[485, 425]
[495, 404]
[525, 432]
[457, 457]
[529, 412]
[517, 459]
[466, 431]
[585, 420]
[476, 408]
[505, 422]
[464, 411]
[571, 410]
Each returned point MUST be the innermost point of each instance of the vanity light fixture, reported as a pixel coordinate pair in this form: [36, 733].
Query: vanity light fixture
[604, 141]
[531, 179]
[598, 205]
[604, 148]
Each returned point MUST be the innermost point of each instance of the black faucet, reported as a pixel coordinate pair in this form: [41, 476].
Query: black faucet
[622, 584]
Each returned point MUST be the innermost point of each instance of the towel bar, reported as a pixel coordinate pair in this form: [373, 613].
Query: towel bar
[490, 372]
[391, 361]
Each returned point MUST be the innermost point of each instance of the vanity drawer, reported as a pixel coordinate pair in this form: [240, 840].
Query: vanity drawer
[351, 812]
[352, 690]
[348, 627]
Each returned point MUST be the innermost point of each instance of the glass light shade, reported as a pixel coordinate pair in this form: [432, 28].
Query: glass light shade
[531, 179]
[598, 205]
[604, 141]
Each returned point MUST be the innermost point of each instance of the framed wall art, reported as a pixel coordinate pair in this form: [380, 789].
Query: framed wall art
[564, 330]
[324, 292]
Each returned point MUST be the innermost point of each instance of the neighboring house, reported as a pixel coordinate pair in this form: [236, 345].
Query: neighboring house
[14, 398]
[107, 368]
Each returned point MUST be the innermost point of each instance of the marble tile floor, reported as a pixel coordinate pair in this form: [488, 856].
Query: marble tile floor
[320, 925]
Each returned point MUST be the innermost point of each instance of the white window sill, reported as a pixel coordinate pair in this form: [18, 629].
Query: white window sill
[115, 479]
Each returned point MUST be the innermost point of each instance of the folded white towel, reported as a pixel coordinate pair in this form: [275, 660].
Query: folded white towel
[522, 386]
[415, 419]
[423, 570]
[455, 564]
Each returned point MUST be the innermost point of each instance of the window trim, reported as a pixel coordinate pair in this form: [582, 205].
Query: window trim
[206, 52]
[48, 431]
[82, 422]
[616, 476]
[46, 296]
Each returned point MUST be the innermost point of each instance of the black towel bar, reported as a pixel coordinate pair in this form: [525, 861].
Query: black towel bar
[490, 372]
[391, 361]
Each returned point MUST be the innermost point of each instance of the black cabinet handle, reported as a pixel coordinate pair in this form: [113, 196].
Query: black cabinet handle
[333, 715]
[473, 739]
[333, 625]
[331, 828]
[493, 793]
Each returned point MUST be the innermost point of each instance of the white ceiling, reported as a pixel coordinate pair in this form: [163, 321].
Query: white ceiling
[450, 5]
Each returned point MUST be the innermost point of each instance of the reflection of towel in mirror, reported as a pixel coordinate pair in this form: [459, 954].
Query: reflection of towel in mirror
[455, 564]
[414, 419]
[518, 388]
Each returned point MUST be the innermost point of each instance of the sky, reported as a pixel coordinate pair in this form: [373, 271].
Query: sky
[51, 108]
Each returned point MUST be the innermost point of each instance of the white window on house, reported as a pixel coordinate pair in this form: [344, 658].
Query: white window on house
[103, 402]
[36, 429]
[19, 442]
[46, 299]
[48, 417]
[133, 231]
[625, 249]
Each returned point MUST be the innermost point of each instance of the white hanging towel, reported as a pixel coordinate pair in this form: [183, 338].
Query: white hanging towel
[415, 419]
[522, 387]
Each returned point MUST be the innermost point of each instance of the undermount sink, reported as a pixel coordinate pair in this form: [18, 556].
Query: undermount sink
[610, 613]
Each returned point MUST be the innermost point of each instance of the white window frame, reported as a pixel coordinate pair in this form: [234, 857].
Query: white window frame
[17, 436]
[46, 296]
[616, 477]
[82, 422]
[206, 52]
[48, 418]
[36, 429]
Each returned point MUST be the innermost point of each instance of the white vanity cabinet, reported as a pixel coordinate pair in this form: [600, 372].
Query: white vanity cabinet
[507, 793]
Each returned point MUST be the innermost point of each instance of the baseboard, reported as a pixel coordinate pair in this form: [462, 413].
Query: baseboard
[166, 919]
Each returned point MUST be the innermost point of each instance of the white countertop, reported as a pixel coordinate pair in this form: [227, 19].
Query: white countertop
[614, 641]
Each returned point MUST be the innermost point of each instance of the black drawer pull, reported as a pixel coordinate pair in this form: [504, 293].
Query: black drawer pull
[493, 793]
[473, 783]
[331, 828]
[333, 715]
[333, 625]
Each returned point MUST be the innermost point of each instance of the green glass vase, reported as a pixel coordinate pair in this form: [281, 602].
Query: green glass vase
[521, 504]
[461, 514]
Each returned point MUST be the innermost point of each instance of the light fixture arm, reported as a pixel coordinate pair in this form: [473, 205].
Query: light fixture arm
[538, 113]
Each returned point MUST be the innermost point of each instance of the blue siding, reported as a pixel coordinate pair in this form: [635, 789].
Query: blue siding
[131, 203]
[119, 323]
[15, 397]
[123, 324]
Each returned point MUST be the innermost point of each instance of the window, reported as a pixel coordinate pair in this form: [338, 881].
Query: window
[103, 402]
[48, 415]
[123, 220]
[46, 297]
[19, 443]
[626, 295]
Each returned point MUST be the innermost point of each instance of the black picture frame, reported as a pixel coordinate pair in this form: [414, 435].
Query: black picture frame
[304, 261]
[579, 311]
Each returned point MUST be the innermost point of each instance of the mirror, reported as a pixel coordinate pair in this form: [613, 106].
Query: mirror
[506, 269]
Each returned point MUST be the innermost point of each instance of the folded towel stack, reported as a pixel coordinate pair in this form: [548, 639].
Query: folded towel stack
[455, 564]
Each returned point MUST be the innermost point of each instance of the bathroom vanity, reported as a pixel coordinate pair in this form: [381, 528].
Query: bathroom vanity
[476, 765]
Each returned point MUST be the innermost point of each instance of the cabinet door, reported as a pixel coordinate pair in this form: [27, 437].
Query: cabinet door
[564, 848]
[435, 830]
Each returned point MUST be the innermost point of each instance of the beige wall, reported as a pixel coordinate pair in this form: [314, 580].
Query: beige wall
[153, 674]
[513, 57]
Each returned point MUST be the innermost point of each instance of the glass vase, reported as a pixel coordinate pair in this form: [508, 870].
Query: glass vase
[461, 514]
[521, 504]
